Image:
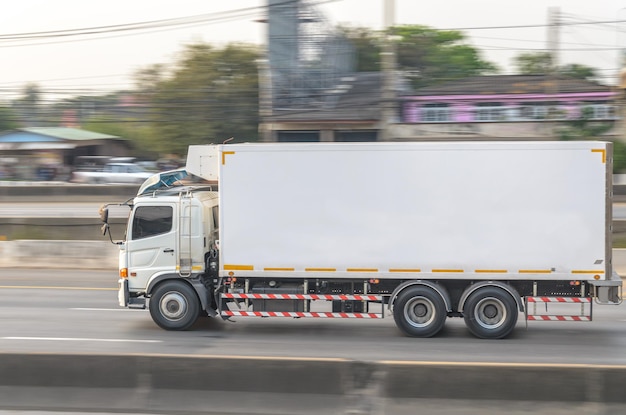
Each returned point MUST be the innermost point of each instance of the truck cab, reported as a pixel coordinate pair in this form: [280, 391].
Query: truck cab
[171, 235]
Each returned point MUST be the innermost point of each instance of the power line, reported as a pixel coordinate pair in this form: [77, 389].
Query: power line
[143, 31]
[145, 27]
[530, 26]
[539, 41]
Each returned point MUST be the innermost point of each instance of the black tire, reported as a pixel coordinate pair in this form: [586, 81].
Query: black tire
[419, 311]
[490, 313]
[174, 305]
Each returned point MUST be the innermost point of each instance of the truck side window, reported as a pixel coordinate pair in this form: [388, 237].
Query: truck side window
[151, 220]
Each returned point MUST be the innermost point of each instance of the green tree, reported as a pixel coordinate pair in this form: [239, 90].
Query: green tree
[619, 157]
[438, 55]
[367, 45]
[431, 56]
[584, 128]
[28, 105]
[533, 63]
[540, 63]
[139, 134]
[210, 96]
[575, 70]
[8, 119]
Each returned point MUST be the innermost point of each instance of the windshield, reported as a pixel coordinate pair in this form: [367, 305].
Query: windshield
[162, 180]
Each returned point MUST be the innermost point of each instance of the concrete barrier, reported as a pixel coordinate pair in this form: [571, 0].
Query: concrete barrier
[58, 254]
[40, 192]
[104, 255]
[139, 382]
[67, 228]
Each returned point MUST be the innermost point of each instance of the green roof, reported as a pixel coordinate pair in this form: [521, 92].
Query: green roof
[73, 134]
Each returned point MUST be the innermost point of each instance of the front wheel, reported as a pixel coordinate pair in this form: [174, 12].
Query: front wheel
[490, 313]
[419, 311]
[174, 305]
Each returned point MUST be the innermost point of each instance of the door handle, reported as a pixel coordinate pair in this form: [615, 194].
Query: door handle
[168, 250]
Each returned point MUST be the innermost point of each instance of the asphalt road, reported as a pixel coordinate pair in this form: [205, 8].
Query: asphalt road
[76, 312]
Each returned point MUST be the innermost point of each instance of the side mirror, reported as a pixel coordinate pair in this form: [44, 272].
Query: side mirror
[104, 213]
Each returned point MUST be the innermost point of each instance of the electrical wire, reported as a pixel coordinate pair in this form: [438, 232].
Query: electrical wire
[209, 18]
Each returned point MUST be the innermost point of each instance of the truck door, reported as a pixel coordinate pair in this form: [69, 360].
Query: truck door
[151, 245]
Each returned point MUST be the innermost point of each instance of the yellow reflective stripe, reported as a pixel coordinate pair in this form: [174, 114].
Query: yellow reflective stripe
[239, 267]
[224, 153]
[193, 268]
[600, 150]
[230, 267]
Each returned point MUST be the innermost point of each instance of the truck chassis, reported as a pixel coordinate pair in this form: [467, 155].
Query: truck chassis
[420, 308]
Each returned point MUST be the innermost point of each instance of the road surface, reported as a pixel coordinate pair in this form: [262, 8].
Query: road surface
[76, 311]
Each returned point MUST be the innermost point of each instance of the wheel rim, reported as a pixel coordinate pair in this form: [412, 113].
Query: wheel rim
[173, 306]
[419, 312]
[490, 313]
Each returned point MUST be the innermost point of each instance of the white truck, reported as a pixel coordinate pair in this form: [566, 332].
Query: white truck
[419, 230]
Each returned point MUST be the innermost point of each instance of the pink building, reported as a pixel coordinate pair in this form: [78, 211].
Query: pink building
[509, 98]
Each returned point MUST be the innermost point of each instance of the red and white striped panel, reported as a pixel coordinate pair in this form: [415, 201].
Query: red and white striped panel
[303, 297]
[299, 314]
[559, 318]
[558, 299]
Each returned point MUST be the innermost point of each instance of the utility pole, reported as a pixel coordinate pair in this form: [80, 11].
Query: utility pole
[554, 26]
[552, 84]
[620, 94]
[388, 67]
[621, 99]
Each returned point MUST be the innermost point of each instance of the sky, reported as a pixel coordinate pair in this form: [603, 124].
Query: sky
[95, 64]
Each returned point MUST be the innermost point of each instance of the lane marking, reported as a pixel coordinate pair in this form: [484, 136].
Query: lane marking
[41, 287]
[100, 309]
[81, 339]
[503, 364]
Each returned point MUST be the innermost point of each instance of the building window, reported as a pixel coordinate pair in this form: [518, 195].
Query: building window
[298, 136]
[356, 136]
[599, 110]
[490, 111]
[541, 111]
[435, 113]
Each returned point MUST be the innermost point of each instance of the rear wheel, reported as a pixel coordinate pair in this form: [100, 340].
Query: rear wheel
[419, 311]
[490, 313]
[174, 305]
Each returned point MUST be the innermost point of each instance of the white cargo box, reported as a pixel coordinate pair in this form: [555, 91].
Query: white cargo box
[477, 210]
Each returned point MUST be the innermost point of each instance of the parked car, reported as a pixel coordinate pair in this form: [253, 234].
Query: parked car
[113, 173]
